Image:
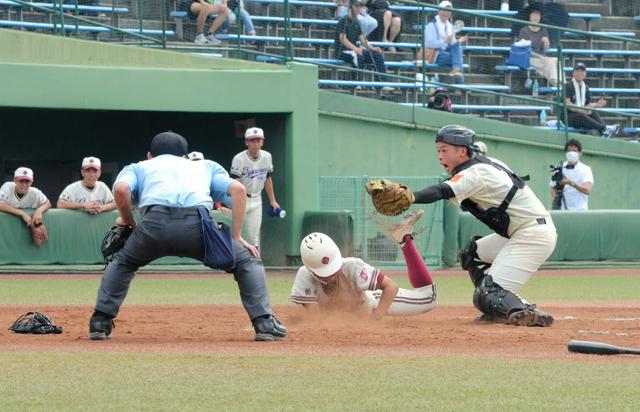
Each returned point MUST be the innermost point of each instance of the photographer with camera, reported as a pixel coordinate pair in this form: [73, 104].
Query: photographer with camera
[571, 181]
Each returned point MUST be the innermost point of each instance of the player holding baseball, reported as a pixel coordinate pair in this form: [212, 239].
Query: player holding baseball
[253, 168]
[327, 281]
[501, 263]
[89, 193]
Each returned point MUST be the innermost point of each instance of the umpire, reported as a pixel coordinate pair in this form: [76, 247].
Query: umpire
[170, 189]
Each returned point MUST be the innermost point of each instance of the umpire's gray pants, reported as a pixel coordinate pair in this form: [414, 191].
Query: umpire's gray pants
[165, 231]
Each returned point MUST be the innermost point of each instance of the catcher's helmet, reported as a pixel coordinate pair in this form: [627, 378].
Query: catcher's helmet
[320, 254]
[458, 136]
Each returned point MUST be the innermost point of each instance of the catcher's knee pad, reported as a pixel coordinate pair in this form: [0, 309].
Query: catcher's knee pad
[492, 299]
[470, 261]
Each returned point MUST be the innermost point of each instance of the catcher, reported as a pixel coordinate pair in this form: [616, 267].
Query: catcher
[501, 263]
[329, 282]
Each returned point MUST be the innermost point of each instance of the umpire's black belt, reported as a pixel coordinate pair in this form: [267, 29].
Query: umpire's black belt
[175, 212]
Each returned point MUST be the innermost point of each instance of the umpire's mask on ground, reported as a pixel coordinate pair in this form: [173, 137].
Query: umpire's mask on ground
[457, 135]
[169, 143]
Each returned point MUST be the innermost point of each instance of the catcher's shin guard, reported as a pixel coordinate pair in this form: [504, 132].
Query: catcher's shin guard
[470, 261]
[492, 299]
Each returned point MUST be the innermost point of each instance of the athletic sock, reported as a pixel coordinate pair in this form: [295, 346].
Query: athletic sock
[417, 271]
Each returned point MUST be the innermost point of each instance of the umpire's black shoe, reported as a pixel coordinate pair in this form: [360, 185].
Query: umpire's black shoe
[268, 329]
[100, 327]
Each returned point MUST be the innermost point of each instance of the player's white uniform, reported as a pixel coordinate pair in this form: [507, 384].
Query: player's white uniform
[33, 199]
[531, 230]
[252, 173]
[77, 192]
[575, 199]
[356, 290]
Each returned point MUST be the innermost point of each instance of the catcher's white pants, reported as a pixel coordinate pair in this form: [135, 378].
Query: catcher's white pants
[514, 260]
[406, 302]
[253, 220]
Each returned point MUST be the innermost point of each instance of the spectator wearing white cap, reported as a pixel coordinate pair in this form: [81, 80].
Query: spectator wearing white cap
[19, 194]
[441, 46]
[253, 168]
[88, 194]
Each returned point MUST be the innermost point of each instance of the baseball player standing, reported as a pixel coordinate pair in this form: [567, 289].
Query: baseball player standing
[173, 191]
[329, 282]
[89, 193]
[19, 194]
[253, 168]
[501, 263]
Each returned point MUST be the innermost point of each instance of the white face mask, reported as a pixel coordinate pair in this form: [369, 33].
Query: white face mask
[572, 157]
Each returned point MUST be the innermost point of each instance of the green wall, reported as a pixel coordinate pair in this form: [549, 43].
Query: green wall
[368, 137]
[64, 98]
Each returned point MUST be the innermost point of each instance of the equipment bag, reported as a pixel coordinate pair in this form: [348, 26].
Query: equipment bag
[218, 246]
[519, 56]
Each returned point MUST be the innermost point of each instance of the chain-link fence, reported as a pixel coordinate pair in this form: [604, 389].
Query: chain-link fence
[371, 240]
[415, 53]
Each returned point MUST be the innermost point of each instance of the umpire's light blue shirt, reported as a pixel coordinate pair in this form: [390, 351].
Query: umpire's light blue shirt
[174, 181]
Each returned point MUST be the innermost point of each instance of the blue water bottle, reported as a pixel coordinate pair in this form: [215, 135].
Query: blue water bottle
[543, 118]
[535, 88]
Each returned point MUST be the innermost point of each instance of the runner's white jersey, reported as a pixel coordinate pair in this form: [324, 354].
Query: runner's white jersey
[77, 192]
[252, 172]
[357, 278]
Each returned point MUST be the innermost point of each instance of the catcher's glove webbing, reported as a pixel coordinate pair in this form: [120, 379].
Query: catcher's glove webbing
[114, 240]
[35, 322]
[389, 198]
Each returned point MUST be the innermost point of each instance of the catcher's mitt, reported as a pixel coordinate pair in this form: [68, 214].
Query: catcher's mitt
[114, 240]
[39, 233]
[388, 198]
[35, 322]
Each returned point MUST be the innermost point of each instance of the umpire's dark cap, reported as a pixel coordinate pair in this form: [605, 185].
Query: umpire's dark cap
[456, 135]
[169, 143]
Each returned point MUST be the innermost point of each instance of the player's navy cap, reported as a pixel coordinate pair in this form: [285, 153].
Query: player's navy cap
[169, 143]
[580, 66]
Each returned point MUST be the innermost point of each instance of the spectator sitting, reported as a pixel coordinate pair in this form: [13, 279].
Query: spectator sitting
[539, 37]
[367, 23]
[577, 93]
[389, 23]
[232, 6]
[200, 10]
[89, 193]
[18, 195]
[348, 34]
[441, 45]
[94, 3]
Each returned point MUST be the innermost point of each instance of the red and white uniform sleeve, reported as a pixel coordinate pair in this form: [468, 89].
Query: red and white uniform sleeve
[365, 276]
[304, 289]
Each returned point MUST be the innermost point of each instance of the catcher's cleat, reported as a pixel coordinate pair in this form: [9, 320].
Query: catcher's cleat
[404, 227]
[269, 329]
[486, 318]
[100, 327]
[530, 317]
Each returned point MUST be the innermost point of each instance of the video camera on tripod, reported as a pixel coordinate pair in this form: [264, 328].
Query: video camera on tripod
[557, 176]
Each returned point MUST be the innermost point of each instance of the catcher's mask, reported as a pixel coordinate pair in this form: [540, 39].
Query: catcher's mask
[457, 136]
[35, 322]
[320, 254]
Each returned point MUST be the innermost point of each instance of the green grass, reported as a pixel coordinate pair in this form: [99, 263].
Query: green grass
[452, 290]
[114, 381]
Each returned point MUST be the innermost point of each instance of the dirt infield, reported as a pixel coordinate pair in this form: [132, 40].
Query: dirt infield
[225, 329]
